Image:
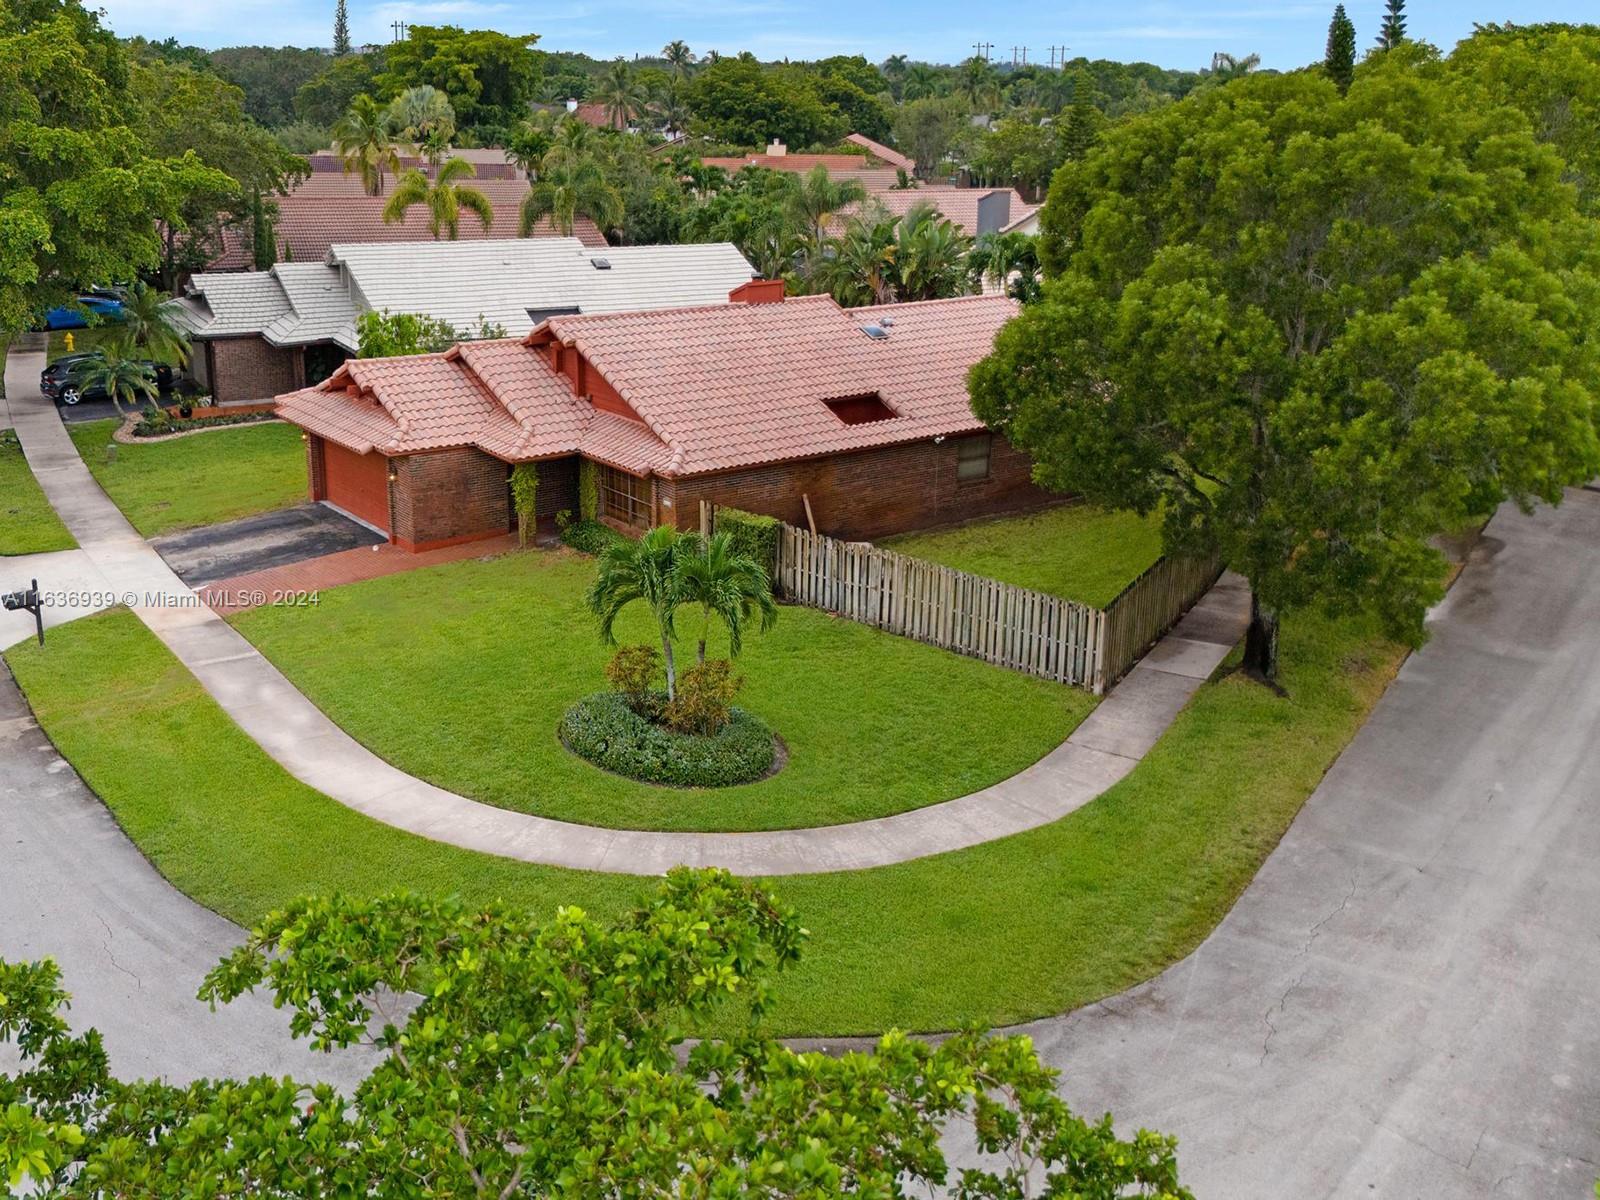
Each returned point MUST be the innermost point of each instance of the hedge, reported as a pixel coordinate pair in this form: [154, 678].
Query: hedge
[183, 424]
[753, 534]
[589, 536]
[603, 730]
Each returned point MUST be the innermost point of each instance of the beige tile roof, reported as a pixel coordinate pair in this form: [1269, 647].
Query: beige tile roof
[715, 387]
[960, 205]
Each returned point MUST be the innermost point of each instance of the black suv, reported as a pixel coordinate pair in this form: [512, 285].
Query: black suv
[64, 380]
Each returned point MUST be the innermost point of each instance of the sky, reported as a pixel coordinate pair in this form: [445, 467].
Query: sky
[1182, 35]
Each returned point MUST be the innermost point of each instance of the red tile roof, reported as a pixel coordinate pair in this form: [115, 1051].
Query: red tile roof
[715, 388]
[330, 208]
[846, 166]
[960, 205]
[879, 151]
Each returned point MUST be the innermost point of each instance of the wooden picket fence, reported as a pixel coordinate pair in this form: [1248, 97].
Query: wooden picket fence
[1012, 627]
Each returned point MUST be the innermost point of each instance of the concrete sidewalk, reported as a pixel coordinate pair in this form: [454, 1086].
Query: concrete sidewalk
[314, 750]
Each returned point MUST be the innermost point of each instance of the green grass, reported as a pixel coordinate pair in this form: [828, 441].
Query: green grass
[28, 525]
[1034, 924]
[83, 340]
[1074, 551]
[460, 674]
[197, 480]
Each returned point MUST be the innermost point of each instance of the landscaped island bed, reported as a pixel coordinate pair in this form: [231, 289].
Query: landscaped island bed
[1074, 551]
[1037, 923]
[461, 674]
[28, 525]
[197, 480]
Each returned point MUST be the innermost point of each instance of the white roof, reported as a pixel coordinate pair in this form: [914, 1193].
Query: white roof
[512, 282]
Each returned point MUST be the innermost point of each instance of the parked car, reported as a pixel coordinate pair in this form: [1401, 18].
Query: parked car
[64, 380]
[104, 305]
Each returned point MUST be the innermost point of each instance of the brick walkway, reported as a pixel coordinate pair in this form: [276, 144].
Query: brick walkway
[251, 590]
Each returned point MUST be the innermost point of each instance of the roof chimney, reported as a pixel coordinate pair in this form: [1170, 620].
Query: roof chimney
[758, 291]
[994, 211]
[777, 149]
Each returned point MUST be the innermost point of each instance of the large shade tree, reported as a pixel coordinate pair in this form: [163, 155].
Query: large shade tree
[547, 1058]
[1312, 331]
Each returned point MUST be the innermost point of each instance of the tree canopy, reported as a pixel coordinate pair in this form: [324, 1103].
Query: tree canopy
[529, 1058]
[80, 190]
[489, 77]
[1312, 331]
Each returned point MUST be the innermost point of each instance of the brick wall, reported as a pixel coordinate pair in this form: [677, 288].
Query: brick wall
[558, 490]
[868, 495]
[449, 496]
[251, 368]
[316, 474]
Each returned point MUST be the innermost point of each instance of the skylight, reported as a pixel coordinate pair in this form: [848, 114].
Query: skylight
[861, 409]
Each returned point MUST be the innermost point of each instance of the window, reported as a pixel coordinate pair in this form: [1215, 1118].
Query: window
[623, 497]
[972, 457]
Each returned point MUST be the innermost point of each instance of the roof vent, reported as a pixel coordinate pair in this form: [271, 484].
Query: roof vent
[886, 322]
[600, 264]
[876, 332]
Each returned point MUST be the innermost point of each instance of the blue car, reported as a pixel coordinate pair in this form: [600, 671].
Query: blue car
[69, 316]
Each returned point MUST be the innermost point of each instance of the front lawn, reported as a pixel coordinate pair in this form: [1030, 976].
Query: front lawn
[83, 340]
[460, 674]
[28, 525]
[1031, 925]
[1074, 551]
[197, 480]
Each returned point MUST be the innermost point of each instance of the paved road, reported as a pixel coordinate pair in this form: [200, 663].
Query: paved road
[1405, 1003]
[132, 949]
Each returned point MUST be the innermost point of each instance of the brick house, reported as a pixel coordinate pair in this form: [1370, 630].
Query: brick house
[260, 333]
[763, 404]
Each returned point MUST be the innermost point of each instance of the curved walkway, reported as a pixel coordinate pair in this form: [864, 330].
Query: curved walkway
[291, 729]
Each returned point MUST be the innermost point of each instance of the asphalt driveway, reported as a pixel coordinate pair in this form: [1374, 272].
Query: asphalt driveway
[1405, 1003]
[255, 543]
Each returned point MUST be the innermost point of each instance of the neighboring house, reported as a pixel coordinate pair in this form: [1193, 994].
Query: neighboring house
[765, 404]
[873, 172]
[881, 152]
[491, 162]
[975, 211]
[330, 208]
[258, 333]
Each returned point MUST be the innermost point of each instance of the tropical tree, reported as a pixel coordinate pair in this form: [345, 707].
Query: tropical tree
[727, 584]
[444, 196]
[570, 184]
[547, 1057]
[126, 380]
[922, 82]
[1349, 323]
[679, 57]
[422, 114]
[618, 90]
[930, 255]
[977, 82]
[148, 328]
[894, 70]
[1226, 67]
[364, 142]
[859, 266]
[644, 571]
[1008, 261]
[1339, 60]
[1082, 129]
[819, 198]
[926, 128]
[1393, 30]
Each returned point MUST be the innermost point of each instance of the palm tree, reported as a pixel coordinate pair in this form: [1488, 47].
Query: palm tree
[702, 181]
[421, 113]
[570, 184]
[977, 81]
[726, 584]
[643, 571]
[921, 82]
[148, 329]
[443, 197]
[1009, 261]
[672, 108]
[859, 268]
[1226, 67]
[819, 197]
[362, 140]
[618, 91]
[679, 57]
[121, 378]
[930, 255]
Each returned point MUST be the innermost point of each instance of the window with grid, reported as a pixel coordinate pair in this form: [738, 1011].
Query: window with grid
[623, 497]
[972, 457]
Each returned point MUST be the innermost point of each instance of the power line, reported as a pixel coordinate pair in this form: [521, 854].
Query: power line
[982, 50]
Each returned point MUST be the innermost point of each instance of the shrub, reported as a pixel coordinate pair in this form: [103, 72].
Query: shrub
[589, 536]
[525, 498]
[705, 698]
[753, 535]
[588, 491]
[145, 428]
[605, 731]
[633, 671]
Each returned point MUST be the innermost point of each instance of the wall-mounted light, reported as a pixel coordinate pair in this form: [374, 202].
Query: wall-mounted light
[938, 439]
[393, 475]
[304, 436]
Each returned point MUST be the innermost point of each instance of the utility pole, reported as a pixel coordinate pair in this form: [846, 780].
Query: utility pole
[982, 50]
[1058, 57]
[400, 28]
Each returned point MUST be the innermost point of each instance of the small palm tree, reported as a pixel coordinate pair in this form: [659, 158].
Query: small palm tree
[930, 255]
[420, 113]
[859, 268]
[640, 571]
[1226, 67]
[726, 584]
[820, 197]
[570, 185]
[679, 57]
[120, 377]
[921, 82]
[443, 196]
[620, 93]
[363, 141]
[977, 81]
[148, 328]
